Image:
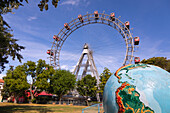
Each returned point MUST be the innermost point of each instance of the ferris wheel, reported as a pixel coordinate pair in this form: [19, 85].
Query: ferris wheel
[94, 18]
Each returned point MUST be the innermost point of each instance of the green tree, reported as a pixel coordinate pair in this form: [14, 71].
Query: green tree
[40, 74]
[42, 79]
[168, 66]
[87, 87]
[103, 79]
[61, 82]
[9, 5]
[8, 45]
[16, 82]
[158, 61]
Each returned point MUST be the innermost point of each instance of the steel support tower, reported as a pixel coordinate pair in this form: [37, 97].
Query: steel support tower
[89, 63]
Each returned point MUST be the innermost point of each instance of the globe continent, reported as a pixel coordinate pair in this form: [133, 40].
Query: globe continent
[138, 88]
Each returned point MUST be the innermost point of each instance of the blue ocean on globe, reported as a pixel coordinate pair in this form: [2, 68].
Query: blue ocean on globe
[138, 88]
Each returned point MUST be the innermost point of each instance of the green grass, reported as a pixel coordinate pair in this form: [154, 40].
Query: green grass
[39, 108]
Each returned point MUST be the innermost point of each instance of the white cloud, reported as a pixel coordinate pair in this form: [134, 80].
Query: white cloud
[32, 18]
[75, 2]
[2, 75]
[111, 62]
[86, 2]
[66, 67]
[151, 48]
[71, 2]
[22, 27]
[68, 60]
[34, 50]
[72, 68]
[29, 29]
[66, 55]
[101, 61]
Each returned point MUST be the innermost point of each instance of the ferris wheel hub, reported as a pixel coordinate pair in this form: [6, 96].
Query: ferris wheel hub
[86, 46]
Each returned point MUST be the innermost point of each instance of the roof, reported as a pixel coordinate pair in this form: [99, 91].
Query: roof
[1, 81]
[44, 93]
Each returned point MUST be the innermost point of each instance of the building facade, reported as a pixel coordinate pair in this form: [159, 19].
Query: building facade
[1, 87]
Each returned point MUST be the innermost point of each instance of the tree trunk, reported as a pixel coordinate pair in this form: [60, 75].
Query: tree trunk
[61, 94]
[15, 98]
[60, 100]
[87, 102]
[32, 96]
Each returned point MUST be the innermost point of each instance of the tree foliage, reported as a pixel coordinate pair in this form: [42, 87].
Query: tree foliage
[8, 48]
[162, 62]
[61, 82]
[87, 87]
[103, 79]
[44, 4]
[8, 45]
[9, 5]
[16, 82]
[42, 80]
[39, 73]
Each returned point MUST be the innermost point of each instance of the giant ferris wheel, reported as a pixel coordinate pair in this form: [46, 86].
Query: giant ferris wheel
[95, 18]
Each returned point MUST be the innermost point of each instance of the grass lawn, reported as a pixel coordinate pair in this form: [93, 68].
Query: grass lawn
[39, 108]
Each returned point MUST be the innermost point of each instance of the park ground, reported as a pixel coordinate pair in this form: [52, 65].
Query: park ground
[39, 108]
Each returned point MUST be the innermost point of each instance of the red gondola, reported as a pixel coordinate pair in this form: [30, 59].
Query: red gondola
[137, 60]
[80, 18]
[112, 16]
[49, 52]
[136, 40]
[96, 14]
[127, 24]
[66, 26]
[56, 38]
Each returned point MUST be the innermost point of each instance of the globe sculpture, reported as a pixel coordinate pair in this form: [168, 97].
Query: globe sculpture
[138, 88]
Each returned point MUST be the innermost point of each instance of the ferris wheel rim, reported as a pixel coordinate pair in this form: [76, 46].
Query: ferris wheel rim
[91, 19]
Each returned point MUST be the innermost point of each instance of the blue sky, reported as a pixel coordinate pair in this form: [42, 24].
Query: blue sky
[148, 18]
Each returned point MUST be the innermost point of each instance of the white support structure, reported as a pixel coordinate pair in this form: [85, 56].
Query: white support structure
[89, 63]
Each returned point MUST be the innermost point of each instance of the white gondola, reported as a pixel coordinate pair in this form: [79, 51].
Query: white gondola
[55, 37]
[112, 16]
[80, 18]
[127, 24]
[67, 26]
[49, 52]
[96, 14]
[136, 40]
[137, 60]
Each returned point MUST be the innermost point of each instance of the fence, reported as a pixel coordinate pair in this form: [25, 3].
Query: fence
[96, 108]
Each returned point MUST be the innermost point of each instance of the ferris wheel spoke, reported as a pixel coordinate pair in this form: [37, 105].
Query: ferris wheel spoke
[101, 18]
